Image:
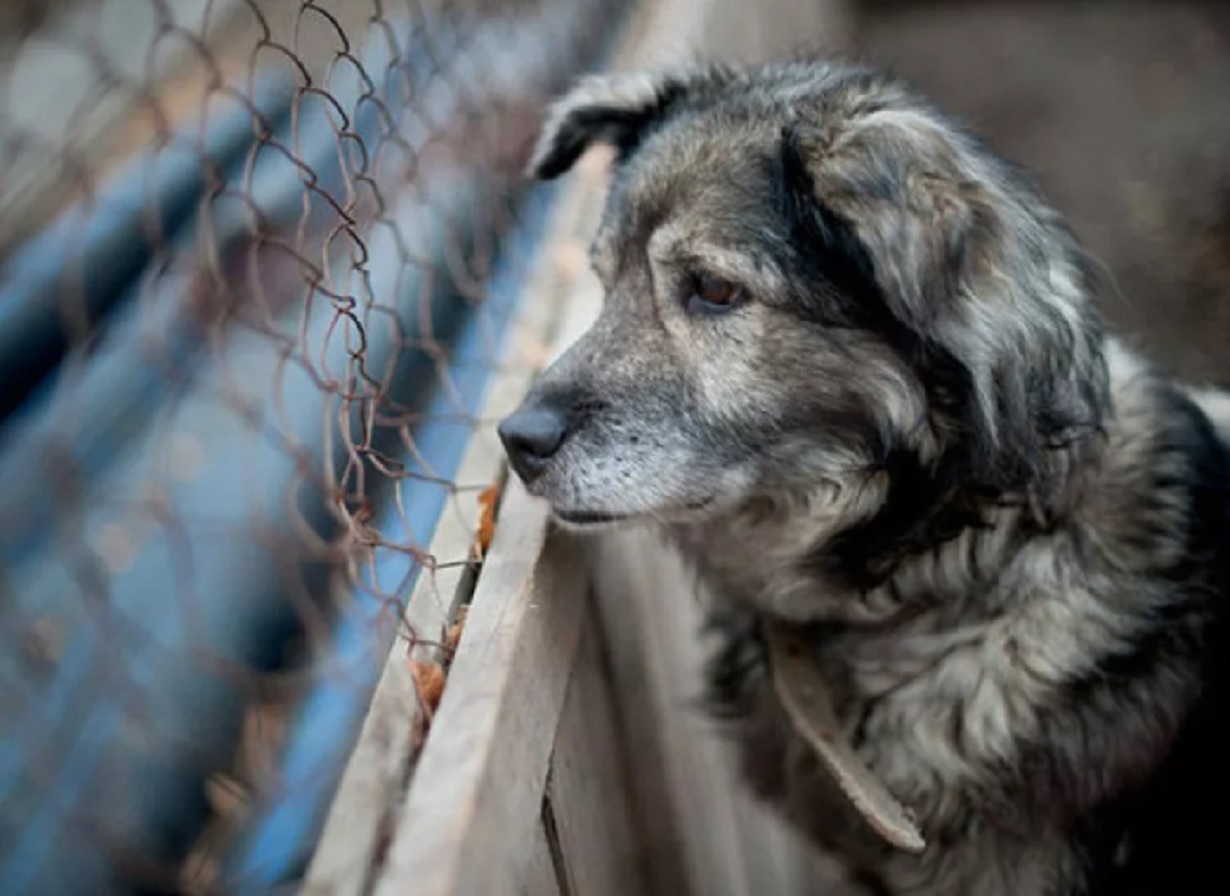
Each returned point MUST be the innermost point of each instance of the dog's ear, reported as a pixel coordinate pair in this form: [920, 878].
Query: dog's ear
[973, 275]
[614, 109]
[881, 221]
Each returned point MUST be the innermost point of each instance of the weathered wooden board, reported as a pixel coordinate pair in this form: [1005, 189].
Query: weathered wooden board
[467, 825]
[598, 838]
[540, 876]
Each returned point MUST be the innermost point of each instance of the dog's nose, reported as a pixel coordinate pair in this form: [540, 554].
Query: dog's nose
[531, 437]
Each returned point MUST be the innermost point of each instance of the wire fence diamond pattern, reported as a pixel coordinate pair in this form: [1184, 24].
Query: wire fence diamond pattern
[256, 262]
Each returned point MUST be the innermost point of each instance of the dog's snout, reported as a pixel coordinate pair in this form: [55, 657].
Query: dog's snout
[531, 436]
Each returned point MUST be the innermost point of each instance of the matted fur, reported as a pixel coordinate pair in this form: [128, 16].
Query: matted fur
[1005, 532]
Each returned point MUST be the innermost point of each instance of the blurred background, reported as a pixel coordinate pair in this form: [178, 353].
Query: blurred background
[258, 262]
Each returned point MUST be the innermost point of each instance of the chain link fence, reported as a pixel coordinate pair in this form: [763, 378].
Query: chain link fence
[256, 261]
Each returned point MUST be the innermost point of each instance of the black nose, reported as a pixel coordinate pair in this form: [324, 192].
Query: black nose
[531, 436]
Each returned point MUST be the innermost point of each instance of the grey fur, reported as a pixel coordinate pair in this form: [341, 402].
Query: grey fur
[1002, 527]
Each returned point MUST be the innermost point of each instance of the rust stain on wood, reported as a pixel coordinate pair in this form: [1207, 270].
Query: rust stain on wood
[487, 500]
[429, 681]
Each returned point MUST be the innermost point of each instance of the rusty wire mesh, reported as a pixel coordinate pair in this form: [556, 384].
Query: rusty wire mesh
[255, 259]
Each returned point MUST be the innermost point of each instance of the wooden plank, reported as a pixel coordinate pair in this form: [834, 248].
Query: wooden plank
[588, 786]
[642, 718]
[358, 824]
[465, 828]
[736, 31]
[651, 623]
[540, 878]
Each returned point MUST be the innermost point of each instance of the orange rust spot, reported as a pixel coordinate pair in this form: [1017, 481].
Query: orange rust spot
[429, 682]
[487, 499]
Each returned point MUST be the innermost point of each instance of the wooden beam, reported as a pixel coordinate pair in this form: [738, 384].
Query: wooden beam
[467, 826]
[600, 842]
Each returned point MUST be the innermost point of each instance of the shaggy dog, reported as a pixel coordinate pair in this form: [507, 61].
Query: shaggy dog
[850, 362]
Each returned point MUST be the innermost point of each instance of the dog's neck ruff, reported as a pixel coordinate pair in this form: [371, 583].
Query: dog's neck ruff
[805, 696]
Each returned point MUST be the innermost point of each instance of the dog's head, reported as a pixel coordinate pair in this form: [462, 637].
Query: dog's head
[811, 276]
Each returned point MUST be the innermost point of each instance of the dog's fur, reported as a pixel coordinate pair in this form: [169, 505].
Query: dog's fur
[1005, 532]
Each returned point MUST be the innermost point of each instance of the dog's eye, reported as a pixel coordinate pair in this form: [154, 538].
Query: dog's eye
[711, 295]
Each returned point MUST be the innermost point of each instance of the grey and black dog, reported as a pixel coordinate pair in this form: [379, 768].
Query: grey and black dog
[850, 361]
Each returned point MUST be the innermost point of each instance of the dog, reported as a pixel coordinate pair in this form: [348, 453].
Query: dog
[850, 362]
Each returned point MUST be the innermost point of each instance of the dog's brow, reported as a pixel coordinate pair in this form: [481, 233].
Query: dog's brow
[664, 242]
[672, 244]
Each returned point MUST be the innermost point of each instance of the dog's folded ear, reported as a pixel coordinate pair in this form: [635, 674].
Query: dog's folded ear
[973, 278]
[887, 219]
[614, 108]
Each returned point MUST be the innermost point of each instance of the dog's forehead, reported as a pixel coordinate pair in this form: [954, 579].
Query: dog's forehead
[724, 147]
[707, 174]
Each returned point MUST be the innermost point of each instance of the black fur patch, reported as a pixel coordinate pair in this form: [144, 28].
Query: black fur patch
[825, 245]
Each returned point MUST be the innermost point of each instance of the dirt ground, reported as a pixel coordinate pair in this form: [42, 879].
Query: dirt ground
[1122, 110]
